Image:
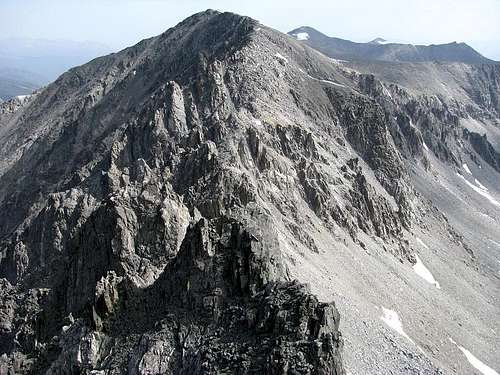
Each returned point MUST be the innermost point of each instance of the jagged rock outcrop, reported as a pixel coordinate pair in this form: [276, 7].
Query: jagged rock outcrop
[223, 305]
[162, 201]
[483, 147]
[130, 249]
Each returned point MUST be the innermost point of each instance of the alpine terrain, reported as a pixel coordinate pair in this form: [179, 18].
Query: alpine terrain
[225, 199]
[380, 49]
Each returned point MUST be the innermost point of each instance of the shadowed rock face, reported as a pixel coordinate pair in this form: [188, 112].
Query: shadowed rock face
[167, 202]
[484, 148]
[216, 308]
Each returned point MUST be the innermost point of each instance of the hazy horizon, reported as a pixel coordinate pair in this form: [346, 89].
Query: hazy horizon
[119, 24]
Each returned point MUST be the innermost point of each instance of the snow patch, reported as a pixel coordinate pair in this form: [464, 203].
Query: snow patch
[302, 36]
[422, 271]
[425, 147]
[474, 361]
[388, 93]
[480, 185]
[326, 81]
[480, 191]
[321, 80]
[422, 243]
[257, 122]
[391, 318]
[466, 168]
[22, 98]
[331, 82]
[281, 57]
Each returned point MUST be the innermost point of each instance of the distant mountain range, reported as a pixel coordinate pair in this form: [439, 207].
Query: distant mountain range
[381, 50]
[14, 82]
[27, 64]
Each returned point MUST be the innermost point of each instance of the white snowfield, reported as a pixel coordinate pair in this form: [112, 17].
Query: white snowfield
[382, 41]
[475, 362]
[330, 82]
[422, 271]
[257, 122]
[281, 57]
[22, 98]
[391, 318]
[481, 191]
[466, 168]
[322, 80]
[422, 243]
[302, 36]
[480, 185]
[388, 93]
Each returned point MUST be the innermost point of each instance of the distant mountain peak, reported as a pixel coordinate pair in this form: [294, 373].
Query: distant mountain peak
[380, 49]
[379, 41]
[302, 33]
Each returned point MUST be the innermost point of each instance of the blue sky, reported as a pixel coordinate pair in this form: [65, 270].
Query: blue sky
[119, 23]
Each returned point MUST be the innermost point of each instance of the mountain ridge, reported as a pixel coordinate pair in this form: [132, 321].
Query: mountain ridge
[164, 199]
[347, 50]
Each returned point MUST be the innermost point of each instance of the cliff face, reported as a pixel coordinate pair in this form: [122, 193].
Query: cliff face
[167, 203]
[136, 241]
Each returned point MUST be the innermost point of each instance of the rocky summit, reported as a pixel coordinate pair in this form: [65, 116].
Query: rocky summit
[225, 199]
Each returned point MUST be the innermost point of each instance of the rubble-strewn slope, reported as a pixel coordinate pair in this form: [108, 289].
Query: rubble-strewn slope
[453, 109]
[163, 202]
